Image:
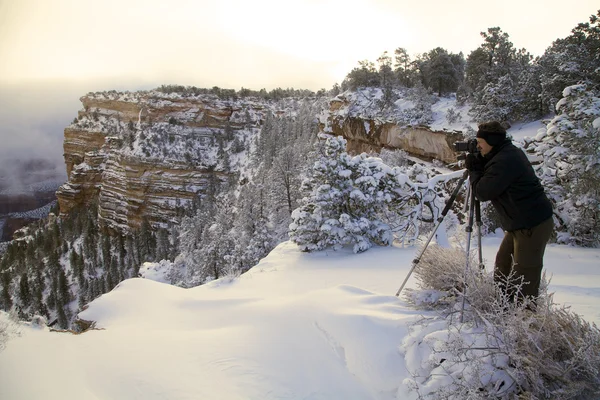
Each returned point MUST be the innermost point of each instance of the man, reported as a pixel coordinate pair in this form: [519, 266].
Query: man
[502, 174]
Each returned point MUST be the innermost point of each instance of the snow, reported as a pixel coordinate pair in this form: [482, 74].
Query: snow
[439, 111]
[524, 130]
[321, 325]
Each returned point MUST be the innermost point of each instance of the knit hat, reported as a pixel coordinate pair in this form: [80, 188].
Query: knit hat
[492, 132]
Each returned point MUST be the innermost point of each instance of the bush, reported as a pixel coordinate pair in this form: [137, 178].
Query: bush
[501, 349]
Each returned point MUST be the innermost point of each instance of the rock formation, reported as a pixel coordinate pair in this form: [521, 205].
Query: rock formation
[147, 154]
[366, 131]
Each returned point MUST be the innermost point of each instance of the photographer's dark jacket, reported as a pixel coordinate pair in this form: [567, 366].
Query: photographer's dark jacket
[509, 182]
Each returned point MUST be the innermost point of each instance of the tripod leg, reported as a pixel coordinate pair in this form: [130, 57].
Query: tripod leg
[439, 222]
[416, 260]
[479, 225]
[469, 230]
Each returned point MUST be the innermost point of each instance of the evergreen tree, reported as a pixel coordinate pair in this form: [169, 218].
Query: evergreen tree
[441, 73]
[63, 293]
[61, 315]
[499, 79]
[285, 182]
[402, 66]
[365, 75]
[569, 61]
[24, 291]
[5, 297]
[163, 246]
[218, 242]
[386, 78]
[37, 291]
[570, 169]
[146, 242]
[497, 101]
[494, 59]
[338, 212]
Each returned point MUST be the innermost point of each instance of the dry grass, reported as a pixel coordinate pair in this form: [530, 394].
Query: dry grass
[554, 353]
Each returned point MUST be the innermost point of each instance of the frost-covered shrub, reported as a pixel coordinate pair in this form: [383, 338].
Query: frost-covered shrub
[500, 349]
[441, 269]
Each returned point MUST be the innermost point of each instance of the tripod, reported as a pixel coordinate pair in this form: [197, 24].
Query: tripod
[474, 210]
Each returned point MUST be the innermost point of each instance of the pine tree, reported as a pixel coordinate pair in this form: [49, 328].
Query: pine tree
[401, 66]
[341, 208]
[570, 61]
[63, 293]
[24, 291]
[146, 241]
[61, 315]
[570, 169]
[365, 75]
[163, 246]
[5, 297]
[285, 178]
[495, 58]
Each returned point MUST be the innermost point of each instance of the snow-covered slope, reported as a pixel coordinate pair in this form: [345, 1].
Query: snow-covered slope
[297, 326]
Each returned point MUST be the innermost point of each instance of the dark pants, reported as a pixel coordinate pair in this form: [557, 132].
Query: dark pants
[522, 253]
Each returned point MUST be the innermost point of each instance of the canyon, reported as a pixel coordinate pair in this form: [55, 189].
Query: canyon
[147, 155]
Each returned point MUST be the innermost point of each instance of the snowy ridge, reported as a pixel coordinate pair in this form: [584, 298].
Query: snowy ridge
[298, 325]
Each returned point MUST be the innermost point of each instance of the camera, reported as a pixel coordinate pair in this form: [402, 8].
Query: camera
[468, 146]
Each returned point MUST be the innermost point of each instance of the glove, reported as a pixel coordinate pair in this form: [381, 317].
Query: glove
[474, 162]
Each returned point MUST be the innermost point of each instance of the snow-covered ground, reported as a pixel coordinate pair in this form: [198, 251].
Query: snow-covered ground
[324, 325]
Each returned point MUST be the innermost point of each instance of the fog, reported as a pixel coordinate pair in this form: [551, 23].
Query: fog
[33, 118]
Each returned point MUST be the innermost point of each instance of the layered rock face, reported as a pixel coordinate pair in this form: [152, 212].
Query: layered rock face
[367, 131]
[371, 136]
[144, 155]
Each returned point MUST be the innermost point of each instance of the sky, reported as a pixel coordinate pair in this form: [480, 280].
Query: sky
[263, 43]
[323, 325]
[53, 52]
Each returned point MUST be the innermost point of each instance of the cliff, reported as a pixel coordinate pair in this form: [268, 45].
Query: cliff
[147, 154]
[369, 126]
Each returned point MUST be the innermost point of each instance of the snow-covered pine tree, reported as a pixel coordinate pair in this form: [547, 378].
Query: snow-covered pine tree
[360, 201]
[336, 212]
[570, 168]
[497, 101]
[571, 60]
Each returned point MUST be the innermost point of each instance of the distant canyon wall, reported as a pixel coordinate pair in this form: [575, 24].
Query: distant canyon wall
[144, 155]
